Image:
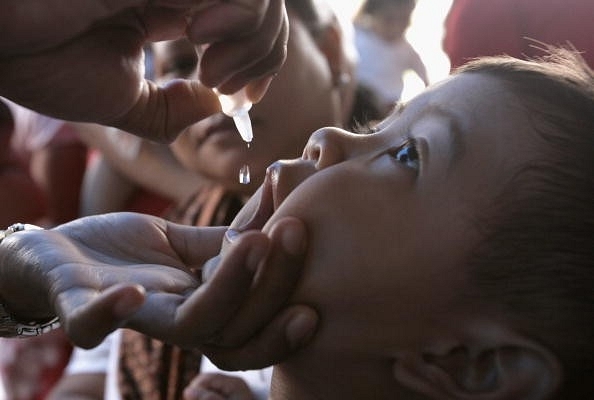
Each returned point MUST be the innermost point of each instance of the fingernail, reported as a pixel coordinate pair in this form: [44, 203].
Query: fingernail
[129, 303]
[231, 235]
[257, 89]
[300, 329]
[293, 240]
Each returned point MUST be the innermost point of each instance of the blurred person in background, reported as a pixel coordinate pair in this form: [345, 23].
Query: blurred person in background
[384, 52]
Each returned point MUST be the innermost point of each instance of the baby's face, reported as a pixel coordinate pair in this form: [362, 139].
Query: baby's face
[391, 216]
[394, 19]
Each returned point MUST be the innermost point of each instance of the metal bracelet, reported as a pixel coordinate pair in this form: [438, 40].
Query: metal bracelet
[17, 228]
[9, 327]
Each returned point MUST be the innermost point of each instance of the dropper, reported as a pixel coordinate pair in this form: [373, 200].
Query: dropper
[237, 106]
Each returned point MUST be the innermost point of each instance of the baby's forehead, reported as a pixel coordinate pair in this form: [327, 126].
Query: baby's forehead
[481, 112]
[475, 89]
[472, 98]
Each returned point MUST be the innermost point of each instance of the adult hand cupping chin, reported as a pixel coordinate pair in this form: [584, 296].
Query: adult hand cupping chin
[96, 272]
[132, 270]
[241, 317]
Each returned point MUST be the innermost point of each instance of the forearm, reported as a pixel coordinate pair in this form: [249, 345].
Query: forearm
[150, 165]
[104, 189]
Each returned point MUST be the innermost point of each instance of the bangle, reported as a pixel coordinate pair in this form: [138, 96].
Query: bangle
[9, 326]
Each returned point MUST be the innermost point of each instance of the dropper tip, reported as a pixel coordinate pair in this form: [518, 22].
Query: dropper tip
[244, 126]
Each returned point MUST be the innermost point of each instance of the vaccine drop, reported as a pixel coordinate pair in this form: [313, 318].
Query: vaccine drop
[237, 106]
[244, 175]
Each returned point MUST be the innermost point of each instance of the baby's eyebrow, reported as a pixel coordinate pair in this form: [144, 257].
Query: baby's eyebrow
[394, 114]
[455, 130]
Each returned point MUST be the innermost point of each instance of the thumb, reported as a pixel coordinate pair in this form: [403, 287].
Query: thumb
[87, 321]
[161, 113]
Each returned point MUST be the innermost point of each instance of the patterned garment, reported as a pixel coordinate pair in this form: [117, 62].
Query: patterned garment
[150, 369]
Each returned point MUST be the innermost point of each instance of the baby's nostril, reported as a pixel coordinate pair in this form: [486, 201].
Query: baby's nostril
[314, 153]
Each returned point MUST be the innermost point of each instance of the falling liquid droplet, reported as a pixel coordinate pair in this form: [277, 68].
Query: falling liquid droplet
[244, 175]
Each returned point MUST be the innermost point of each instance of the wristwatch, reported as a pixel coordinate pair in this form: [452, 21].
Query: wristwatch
[9, 326]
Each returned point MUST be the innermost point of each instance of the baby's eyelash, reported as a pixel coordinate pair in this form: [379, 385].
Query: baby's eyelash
[407, 153]
[365, 129]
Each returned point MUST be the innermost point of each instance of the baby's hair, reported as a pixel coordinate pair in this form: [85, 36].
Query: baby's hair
[536, 262]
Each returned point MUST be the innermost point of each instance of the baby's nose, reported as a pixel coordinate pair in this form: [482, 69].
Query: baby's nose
[326, 147]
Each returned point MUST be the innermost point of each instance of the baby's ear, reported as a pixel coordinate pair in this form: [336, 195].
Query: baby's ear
[488, 367]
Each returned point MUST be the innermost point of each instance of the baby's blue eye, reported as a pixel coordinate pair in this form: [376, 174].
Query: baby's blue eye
[407, 154]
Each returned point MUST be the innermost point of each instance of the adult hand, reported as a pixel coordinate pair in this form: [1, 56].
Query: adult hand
[133, 270]
[214, 386]
[84, 61]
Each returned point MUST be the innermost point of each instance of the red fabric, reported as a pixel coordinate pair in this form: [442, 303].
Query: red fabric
[147, 202]
[493, 27]
[30, 368]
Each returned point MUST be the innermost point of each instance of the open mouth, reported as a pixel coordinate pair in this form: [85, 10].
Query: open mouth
[261, 211]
